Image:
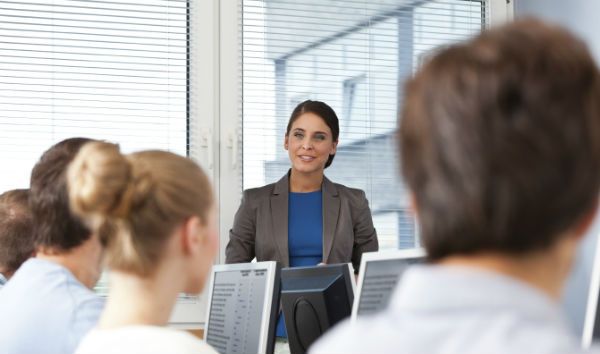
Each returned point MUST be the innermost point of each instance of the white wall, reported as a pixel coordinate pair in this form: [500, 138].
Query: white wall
[579, 16]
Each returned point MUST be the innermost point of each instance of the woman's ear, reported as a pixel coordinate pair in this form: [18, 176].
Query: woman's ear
[334, 149]
[285, 142]
[192, 234]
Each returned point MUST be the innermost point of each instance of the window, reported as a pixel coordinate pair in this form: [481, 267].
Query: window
[354, 108]
[112, 70]
[353, 55]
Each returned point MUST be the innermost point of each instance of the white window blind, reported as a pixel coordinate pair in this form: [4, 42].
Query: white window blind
[113, 70]
[353, 55]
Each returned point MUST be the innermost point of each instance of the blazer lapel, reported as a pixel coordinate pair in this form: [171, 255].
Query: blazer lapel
[279, 217]
[331, 211]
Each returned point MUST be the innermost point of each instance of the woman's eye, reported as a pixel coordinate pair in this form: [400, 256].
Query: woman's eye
[299, 135]
[320, 137]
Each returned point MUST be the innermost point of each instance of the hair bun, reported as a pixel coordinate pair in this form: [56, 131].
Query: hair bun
[101, 181]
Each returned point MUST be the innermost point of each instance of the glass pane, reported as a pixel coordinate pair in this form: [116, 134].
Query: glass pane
[107, 70]
[355, 56]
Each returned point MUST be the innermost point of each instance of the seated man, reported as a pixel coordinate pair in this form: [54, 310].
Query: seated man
[48, 306]
[500, 147]
[16, 234]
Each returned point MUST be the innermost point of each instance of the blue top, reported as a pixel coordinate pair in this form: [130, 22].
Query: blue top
[305, 229]
[305, 234]
[45, 309]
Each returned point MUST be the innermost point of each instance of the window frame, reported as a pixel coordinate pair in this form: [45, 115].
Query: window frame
[228, 86]
[203, 123]
[215, 91]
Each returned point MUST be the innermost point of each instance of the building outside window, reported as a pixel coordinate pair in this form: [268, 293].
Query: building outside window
[355, 56]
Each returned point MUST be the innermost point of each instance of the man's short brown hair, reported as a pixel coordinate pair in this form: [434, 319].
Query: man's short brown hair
[500, 140]
[55, 227]
[16, 230]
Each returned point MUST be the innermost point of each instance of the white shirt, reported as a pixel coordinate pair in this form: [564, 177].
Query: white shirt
[142, 340]
[45, 309]
[444, 309]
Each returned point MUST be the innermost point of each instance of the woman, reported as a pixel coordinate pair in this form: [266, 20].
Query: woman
[304, 219]
[154, 210]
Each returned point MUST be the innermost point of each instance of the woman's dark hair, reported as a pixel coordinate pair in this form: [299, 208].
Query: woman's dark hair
[500, 141]
[322, 110]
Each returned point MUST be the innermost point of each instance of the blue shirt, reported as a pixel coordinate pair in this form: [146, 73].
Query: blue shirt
[305, 229]
[305, 234]
[45, 309]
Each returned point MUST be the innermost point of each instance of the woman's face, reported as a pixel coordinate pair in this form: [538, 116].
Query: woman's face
[309, 143]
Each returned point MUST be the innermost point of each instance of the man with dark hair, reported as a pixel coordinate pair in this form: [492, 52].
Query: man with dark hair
[48, 305]
[500, 147]
[16, 234]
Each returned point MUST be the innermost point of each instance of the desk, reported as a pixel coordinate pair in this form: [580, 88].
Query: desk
[197, 332]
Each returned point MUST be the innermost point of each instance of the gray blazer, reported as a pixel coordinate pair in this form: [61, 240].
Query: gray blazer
[260, 227]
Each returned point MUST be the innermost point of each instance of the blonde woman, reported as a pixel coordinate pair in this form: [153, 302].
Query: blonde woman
[155, 212]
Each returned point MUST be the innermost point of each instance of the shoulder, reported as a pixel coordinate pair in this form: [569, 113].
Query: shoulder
[184, 342]
[366, 336]
[259, 192]
[143, 340]
[83, 298]
[355, 196]
[266, 191]
[52, 284]
[253, 197]
[85, 312]
[350, 192]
